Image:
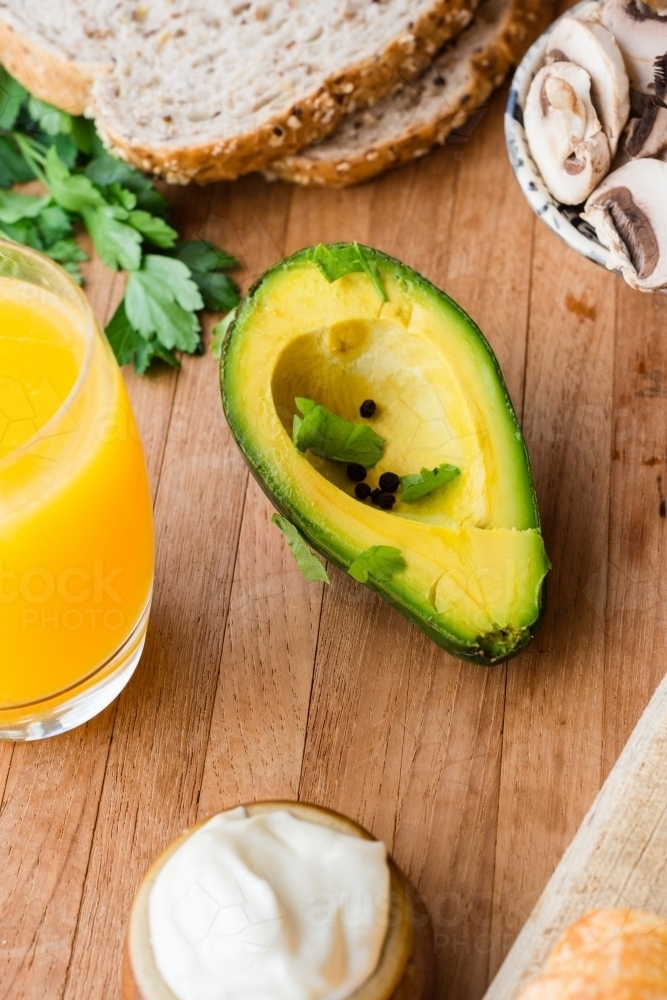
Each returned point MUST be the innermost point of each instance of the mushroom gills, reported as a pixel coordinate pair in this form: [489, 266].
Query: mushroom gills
[564, 133]
[629, 214]
[635, 229]
[594, 49]
[641, 34]
[647, 136]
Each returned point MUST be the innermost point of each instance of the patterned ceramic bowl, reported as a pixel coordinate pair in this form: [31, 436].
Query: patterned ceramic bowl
[565, 220]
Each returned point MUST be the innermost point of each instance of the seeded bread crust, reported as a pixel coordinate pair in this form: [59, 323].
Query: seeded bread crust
[309, 118]
[45, 74]
[57, 72]
[172, 147]
[406, 125]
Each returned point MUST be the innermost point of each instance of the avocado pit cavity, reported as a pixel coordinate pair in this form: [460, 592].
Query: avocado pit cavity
[416, 407]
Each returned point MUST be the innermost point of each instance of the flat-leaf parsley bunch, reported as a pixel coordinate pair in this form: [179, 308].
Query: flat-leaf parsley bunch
[126, 217]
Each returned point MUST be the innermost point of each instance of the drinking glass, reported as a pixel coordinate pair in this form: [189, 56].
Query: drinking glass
[76, 529]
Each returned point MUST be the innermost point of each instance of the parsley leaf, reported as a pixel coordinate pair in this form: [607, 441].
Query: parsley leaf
[155, 229]
[129, 346]
[123, 197]
[200, 255]
[308, 563]
[24, 231]
[121, 209]
[14, 169]
[348, 258]
[54, 224]
[69, 255]
[118, 244]
[380, 561]
[419, 485]
[104, 170]
[12, 96]
[160, 300]
[50, 120]
[332, 437]
[14, 206]
[73, 192]
[206, 262]
[83, 134]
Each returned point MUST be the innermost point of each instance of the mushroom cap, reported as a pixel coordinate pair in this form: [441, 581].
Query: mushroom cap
[641, 34]
[629, 214]
[564, 133]
[594, 49]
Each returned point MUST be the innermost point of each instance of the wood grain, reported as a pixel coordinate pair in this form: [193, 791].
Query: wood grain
[618, 857]
[255, 685]
[154, 772]
[258, 728]
[554, 707]
[636, 608]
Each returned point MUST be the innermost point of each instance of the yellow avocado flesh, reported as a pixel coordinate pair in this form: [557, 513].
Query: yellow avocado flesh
[475, 557]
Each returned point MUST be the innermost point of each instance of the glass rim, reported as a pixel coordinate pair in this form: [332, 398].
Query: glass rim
[90, 325]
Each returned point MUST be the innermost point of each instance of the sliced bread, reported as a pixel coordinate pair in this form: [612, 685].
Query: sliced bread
[404, 126]
[57, 48]
[209, 89]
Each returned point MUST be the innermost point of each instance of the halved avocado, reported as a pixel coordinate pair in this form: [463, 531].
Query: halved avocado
[475, 558]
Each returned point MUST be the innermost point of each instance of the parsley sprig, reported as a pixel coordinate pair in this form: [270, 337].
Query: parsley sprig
[421, 484]
[308, 563]
[168, 283]
[381, 562]
[337, 260]
[330, 436]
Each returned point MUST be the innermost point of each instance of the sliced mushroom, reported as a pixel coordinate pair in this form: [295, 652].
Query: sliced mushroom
[593, 48]
[647, 136]
[629, 214]
[641, 34]
[564, 132]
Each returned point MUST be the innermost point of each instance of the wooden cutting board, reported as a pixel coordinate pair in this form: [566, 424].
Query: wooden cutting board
[617, 858]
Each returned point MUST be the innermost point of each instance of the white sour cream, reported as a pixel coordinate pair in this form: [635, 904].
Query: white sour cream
[269, 907]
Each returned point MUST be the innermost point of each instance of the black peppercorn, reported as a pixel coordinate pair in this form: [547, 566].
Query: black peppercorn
[387, 501]
[389, 482]
[375, 496]
[368, 408]
[362, 491]
[356, 472]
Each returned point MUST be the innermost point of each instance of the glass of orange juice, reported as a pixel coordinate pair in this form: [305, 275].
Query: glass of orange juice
[76, 529]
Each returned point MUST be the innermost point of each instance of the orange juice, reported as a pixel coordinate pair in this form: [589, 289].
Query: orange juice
[76, 536]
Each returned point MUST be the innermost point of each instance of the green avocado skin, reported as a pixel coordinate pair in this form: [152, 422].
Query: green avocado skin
[488, 650]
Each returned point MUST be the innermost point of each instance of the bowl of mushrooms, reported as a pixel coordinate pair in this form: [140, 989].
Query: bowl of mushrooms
[586, 129]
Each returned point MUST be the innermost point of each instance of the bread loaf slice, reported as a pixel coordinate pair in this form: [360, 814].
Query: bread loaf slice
[57, 48]
[210, 89]
[405, 125]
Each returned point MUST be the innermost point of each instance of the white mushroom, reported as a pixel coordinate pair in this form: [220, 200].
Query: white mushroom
[647, 136]
[641, 34]
[593, 48]
[629, 214]
[564, 133]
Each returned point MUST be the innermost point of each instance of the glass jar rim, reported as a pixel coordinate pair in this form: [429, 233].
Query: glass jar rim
[89, 327]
